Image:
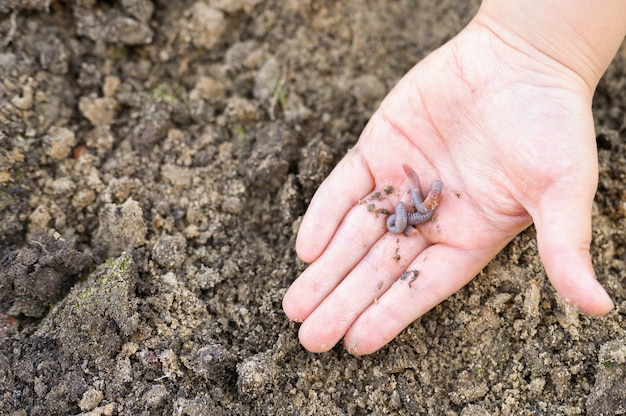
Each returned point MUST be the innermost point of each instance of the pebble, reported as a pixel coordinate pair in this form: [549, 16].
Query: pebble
[24, 101]
[140, 9]
[100, 111]
[91, 398]
[59, 141]
[203, 26]
[266, 80]
[211, 362]
[63, 186]
[176, 175]
[121, 227]
[233, 6]
[209, 89]
[170, 251]
[255, 375]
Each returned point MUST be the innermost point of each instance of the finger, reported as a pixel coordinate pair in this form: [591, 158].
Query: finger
[350, 181]
[441, 271]
[564, 237]
[360, 229]
[373, 275]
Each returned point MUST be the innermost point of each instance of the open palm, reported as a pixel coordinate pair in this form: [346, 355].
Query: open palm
[510, 134]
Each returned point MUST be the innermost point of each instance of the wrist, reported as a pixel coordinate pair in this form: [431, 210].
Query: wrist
[580, 35]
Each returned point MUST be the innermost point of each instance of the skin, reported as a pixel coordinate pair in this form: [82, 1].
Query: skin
[502, 115]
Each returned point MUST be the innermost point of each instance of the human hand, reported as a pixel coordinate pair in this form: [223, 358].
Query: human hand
[510, 134]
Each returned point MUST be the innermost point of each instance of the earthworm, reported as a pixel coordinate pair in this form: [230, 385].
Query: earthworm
[396, 223]
[432, 199]
[425, 208]
[416, 217]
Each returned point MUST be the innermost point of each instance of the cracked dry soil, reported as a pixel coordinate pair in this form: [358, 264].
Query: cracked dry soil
[155, 159]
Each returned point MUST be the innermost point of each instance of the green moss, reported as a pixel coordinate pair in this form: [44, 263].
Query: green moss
[167, 93]
[85, 293]
[240, 130]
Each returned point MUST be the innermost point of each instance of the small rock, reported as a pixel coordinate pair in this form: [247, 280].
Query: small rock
[156, 396]
[213, 362]
[110, 26]
[532, 297]
[59, 142]
[228, 6]
[267, 172]
[75, 385]
[233, 6]
[110, 85]
[123, 370]
[10, 5]
[176, 175]
[54, 56]
[84, 198]
[128, 31]
[8, 326]
[201, 404]
[209, 89]
[100, 139]
[39, 219]
[247, 54]
[8, 61]
[140, 9]
[232, 205]
[203, 26]
[208, 278]
[100, 111]
[290, 198]
[240, 110]
[474, 410]
[295, 110]
[169, 251]
[257, 375]
[91, 398]
[536, 386]
[568, 317]
[266, 80]
[63, 186]
[24, 101]
[121, 227]
[279, 139]
[89, 75]
[151, 128]
[468, 389]
[106, 410]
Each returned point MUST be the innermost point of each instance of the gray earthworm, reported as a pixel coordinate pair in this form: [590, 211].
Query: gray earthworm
[396, 223]
[432, 199]
[425, 208]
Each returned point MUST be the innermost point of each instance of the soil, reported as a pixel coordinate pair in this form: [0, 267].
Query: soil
[155, 160]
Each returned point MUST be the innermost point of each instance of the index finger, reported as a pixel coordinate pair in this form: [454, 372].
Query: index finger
[350, 181]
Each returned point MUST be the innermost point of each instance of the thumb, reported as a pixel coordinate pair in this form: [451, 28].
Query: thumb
[563, 228]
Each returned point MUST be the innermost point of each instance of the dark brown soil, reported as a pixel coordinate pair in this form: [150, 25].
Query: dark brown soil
[155, 159]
